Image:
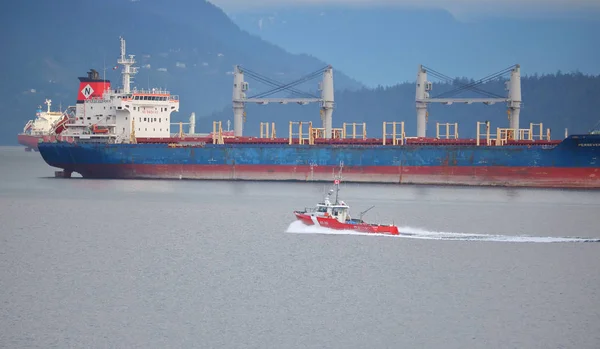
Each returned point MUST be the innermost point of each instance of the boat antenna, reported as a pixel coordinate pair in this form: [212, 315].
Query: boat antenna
[365, 211]
[337, 182]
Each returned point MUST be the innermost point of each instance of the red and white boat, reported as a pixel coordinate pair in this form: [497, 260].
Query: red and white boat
[337, 216]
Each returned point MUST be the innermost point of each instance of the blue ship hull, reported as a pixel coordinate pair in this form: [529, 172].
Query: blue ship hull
[575, 162]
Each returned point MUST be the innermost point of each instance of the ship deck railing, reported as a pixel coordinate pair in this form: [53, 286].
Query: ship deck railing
[190, 140]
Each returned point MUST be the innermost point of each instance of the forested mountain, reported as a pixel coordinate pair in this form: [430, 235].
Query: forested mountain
[187, 46]
[558, 101]
[384, 44]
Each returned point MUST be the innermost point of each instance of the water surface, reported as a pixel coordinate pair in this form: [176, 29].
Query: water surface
[156, 264]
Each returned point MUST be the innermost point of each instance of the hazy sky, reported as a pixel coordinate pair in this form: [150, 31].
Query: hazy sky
[513, 8]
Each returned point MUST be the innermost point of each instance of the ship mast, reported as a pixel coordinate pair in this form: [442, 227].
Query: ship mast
[128, 69]
[337, 181]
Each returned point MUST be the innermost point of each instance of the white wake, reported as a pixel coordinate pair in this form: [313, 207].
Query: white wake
[298, 227]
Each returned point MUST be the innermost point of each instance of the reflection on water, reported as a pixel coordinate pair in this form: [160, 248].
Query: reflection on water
[512, 193]
[147, 186]
[239, 187]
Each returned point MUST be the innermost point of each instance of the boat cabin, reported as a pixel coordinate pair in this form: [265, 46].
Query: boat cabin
[339, 211]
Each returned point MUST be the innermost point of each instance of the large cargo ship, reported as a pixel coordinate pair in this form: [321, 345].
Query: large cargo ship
[45, 127]
[126, 133]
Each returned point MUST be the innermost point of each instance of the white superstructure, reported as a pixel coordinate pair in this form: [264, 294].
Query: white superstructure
[121, 115]
[44, 121]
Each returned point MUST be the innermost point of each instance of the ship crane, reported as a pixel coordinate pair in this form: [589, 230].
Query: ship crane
[240, 87]
[513, 100]
[191, 125]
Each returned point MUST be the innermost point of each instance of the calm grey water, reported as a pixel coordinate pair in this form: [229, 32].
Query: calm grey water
[182, 264]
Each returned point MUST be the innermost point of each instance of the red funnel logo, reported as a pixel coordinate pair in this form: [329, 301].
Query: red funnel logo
[91, 89]
[87, 91]
[91, 86]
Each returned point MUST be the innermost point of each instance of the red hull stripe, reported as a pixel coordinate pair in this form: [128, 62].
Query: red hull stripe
[32, 141]
[457, 175]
